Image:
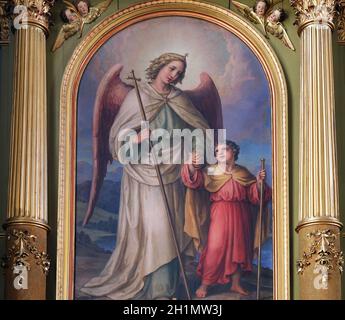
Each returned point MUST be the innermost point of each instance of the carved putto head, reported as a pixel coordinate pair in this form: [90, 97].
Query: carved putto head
[83, 7]
[68, 16]
[277, 15]
[75, 15]
[260, 7]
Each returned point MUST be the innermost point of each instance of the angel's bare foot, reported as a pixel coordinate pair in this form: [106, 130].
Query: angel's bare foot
[240, 290]
[201, 292]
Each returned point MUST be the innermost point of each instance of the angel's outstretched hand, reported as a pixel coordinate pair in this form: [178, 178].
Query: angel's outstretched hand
[261, 176]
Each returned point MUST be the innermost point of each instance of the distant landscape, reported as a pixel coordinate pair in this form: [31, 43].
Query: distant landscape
[100, 232]
[84, 172]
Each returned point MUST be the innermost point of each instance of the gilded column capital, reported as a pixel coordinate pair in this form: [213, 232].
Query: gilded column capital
[32, 12]
[4, 23]
[341, 22]
[314, 12]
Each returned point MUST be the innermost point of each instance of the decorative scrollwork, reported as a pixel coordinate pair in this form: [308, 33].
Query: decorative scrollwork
[24, 245]
[25, 12]
[4, 23]
[321, 11]
[37, 9]
[324, 248]
[341, 22]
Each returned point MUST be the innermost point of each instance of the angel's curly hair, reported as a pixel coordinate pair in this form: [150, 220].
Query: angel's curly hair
[257, 2]
[157, 64]
[76, 2]
[233, 146]
[283, 15]
[63, 15]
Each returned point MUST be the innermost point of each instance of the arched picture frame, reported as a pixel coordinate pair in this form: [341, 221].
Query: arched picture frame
[250, 82]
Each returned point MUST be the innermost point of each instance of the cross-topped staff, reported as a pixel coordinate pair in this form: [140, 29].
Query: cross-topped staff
[161, 185]
[258, 284]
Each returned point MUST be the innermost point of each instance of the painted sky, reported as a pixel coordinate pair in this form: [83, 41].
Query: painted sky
[234, 68]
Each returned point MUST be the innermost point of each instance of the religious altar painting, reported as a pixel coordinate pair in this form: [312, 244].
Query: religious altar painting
[124, 247]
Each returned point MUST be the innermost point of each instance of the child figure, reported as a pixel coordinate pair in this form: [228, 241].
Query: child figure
[229, 248]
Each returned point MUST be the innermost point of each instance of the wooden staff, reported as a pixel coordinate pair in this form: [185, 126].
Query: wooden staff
[165, 198]
[258, 282]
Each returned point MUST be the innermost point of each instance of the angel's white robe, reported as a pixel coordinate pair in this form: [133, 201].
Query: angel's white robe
[144, 242]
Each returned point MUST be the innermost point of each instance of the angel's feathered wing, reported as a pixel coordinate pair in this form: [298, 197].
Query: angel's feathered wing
[206, 99]
[110, 94]
[71, 6]
[249, 13]
[66, 31]
[285, 38]
[272, 3]
[246, 11]
[278, 30]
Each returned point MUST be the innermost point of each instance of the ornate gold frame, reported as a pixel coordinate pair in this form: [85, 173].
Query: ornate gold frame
[279, 120]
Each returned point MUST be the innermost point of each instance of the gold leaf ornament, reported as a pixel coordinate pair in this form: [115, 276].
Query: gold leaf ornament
[269, 17]
[75, 16]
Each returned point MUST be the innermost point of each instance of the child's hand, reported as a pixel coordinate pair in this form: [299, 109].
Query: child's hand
[196, 160]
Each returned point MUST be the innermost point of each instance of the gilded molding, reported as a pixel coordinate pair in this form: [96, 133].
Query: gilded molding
[38, 12]
[4, 24]
[74, 70]
[313, 12]
[323, 247]
[24, 245]
[26, 222]
[322, 220]
[340, 24]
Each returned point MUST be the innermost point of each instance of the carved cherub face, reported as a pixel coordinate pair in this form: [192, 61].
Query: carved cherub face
[71, 16]
[260, 8]
[83, 8]
[275, 16]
